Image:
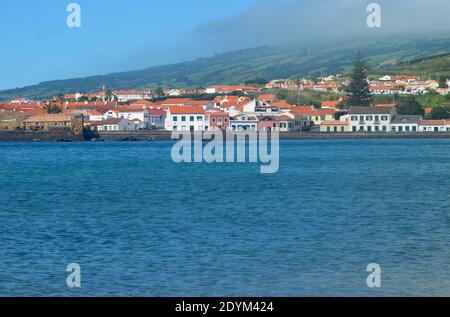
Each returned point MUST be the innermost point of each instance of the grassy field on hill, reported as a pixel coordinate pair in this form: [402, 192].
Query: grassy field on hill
[293, 60]
[431, 67]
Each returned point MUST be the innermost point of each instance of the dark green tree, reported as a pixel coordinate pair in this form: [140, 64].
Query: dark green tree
[109, 94]
[358, 90]
[410, 106]
[440, 112]
[443, 82]
[53, 109]
[159, 92]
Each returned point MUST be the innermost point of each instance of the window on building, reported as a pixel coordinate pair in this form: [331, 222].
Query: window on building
[183, 118]
[369, 118]
[354, 118]
[354, 129]
[192, 118]
[384, 118]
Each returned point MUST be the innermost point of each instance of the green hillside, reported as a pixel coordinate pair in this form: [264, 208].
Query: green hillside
[433, 67]
[270, 62]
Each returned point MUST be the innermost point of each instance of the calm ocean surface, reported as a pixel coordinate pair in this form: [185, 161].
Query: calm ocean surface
[139, 224]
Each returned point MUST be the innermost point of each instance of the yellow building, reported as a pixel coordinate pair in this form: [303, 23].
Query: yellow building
[11, 120]
[54, 122]
[41, 123]
[334, 127]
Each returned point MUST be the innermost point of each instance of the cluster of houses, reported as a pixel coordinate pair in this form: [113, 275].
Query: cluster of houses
[238, 113]
[14, 121]
[379, 119]
[386, 85]
[406, 85]
[250, 109]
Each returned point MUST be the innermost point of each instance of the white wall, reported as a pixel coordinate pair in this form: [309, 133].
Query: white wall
[197, 124]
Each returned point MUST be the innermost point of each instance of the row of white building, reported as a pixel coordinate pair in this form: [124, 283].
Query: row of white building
[382, 119]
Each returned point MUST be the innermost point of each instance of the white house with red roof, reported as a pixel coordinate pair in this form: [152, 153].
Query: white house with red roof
[111, 114]
[127, 95]
[94, 115]
[20, 101]
[244, 123]
[433, 126]
[156, 118]
[116, 124]
[134, 113]
[172, 102]
[186, 118]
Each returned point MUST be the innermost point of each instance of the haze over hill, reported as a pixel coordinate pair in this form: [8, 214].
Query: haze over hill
[266, 62]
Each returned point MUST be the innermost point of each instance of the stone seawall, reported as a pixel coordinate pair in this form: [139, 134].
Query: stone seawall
[9, 136]
[349, 135]
[135, 136]
[165, 135]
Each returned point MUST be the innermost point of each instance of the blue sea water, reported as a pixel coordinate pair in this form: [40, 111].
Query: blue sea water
[139, 224]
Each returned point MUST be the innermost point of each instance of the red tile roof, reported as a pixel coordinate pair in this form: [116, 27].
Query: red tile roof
[311, 111]
[156, 112]
[197, 103]
[267, 97]
[331, 103]
[173, 101]
[141, 102]
[281, 104]
[433, 123]
[131, 109]
[35, 111]
[94, 113]
[186, 110]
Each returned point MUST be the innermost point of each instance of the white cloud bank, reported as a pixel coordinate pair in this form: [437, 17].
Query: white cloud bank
[280, 21]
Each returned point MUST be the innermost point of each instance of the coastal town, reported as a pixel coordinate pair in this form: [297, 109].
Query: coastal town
[240, 108]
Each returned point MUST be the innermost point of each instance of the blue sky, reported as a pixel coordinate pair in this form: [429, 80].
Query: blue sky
[119, 35]
[115, 35]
